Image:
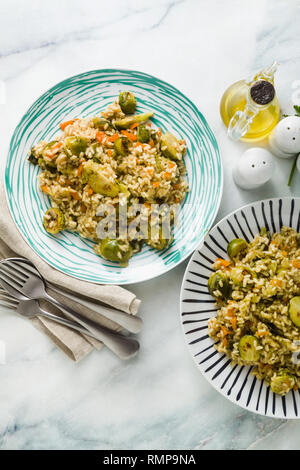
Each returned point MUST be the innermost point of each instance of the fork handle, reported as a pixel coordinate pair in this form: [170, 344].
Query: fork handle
[126, 320]
[122, 346]
[65, 322]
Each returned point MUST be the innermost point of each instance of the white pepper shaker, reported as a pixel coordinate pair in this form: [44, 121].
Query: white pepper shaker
[284, 140]
[254, 168]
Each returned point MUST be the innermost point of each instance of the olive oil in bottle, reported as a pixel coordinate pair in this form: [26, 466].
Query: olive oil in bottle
[250, 110]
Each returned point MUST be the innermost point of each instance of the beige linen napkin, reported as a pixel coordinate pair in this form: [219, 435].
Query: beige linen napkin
[75, 345]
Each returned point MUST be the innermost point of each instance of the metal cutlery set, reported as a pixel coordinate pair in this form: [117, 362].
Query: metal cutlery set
[23, 286]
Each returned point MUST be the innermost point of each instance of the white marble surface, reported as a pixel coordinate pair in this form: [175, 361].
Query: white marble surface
[158, 400]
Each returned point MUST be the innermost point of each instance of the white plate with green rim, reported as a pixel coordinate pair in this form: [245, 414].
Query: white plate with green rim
[88, 94]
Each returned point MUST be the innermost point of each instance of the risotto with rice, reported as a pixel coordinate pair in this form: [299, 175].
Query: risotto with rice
[113, 159]
[258, 294]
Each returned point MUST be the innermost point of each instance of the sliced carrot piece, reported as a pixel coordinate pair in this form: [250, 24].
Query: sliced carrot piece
[296, 263]
[63, 125]
[80, 168]
[90, 191]
[223, 262]
[225, 331]
[109, 152]
[100, 136]
[129, 135]
[52, 151]
[234, 322]
[155, 184]
[276, 282]
[150, 171]
[75, 195]
[134, 125]
[113, 138]
[45, 189]
[261, 333]
[230, 311]
[224, 342]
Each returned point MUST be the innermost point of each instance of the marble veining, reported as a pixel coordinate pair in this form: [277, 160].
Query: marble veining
[158, 400]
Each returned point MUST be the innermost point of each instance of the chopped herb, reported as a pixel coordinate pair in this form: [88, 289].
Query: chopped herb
[292, 171]
[297, 109]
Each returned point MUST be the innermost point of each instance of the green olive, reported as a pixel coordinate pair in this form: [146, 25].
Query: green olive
[121, 146]
[282, 382]
[236, 246]
[111, 250]
[127, 102]
[219, 281]
[294, 310]
[248, 345]
[53, 220]
[74, 145]
[143, 134]
[101, 123]
[169, 146]
[92, 174]
[126, 122]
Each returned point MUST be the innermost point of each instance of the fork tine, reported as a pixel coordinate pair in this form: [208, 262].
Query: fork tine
[25, 268]
[8, 279]
[5, 295]
[13, 291]
[21, 266]
[14, 271]
[6, 273]
[8, 304]
[8, 299]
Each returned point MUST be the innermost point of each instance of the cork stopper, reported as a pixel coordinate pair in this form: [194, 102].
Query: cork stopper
[262, 92]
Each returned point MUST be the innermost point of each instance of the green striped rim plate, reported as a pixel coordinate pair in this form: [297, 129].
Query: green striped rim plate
[86, 94]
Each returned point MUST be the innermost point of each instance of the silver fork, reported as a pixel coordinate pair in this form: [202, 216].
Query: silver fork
[130, 322]
[30, 308]
[20, 285]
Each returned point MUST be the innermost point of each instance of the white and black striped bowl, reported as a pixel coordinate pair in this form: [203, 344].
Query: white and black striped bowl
[197, 306]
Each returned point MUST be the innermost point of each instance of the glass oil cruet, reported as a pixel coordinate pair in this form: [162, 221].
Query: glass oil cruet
[250, 109]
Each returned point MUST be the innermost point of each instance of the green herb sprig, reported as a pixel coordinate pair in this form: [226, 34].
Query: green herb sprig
[297, 113]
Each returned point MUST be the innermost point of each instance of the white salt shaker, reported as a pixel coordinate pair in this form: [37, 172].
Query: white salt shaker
[284, 140]
[254, 168]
